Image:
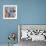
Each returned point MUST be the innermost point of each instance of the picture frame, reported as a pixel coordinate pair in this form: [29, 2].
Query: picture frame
[36, 32]
[9, 11]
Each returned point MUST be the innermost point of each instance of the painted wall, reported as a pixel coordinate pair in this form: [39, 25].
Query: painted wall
[33, 12]
[7, 26]
[28, 12]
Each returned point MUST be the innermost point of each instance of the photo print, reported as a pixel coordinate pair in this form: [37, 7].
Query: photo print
[9, 11]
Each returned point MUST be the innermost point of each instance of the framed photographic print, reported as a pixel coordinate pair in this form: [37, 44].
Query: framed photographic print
[33, 32]
[9, 11]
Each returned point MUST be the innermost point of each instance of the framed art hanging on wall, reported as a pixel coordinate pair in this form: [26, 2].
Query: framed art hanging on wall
[9, 11]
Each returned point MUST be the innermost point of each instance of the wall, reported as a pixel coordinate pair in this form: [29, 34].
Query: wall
[33, 12]
[29, 12]
[7, 26]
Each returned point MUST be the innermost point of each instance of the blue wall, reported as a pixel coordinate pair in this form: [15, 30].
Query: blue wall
[28, 12]
[33, 12]
[7, 26]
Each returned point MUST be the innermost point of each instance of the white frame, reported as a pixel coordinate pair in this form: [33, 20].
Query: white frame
[4, 11]
[18, 34]
[19, 26]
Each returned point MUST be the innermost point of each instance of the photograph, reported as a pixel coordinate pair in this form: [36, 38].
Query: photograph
[9, 11]
[31, 33]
